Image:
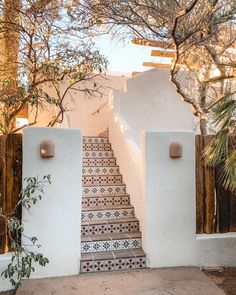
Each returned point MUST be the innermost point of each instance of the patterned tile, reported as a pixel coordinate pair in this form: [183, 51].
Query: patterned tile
[103, 190]
[105, 201]
[123, 263]
[102, 170]
[110, 233]
[108, 245]
[98, 154]
[97, 139]
[107, 214]
[97, 146]
[106, 228]
[102, 179]
[99, 162]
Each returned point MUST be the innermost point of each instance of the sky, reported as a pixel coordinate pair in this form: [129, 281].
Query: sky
[124, 57]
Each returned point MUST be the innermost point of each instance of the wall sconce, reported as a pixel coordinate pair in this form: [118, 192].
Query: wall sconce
[47, 148]
[176, 150]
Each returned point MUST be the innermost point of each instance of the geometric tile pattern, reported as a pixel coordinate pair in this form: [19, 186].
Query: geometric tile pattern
[102, 201]
[94, 139]
[102, 170]
[99, 162]
[97, 146]
[109, 245]
[106, 228]
[102, 179]
[111, 239]
[103, 190]
[98, 154]
[106, 214]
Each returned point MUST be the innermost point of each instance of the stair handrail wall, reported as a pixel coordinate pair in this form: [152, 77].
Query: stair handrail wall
[129, 158]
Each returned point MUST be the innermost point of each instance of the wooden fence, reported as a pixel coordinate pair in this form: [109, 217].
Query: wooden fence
[216, 207]
[10, 180]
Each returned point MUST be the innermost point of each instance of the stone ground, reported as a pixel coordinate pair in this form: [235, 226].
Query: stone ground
[166, 281]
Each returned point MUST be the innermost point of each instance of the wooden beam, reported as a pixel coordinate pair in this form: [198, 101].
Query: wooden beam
[159, 65]
[163, 53]
[152, 43]
[135, 73]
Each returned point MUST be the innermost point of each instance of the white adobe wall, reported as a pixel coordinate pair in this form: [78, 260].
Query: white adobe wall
[81, 108]
[5, 259]
[56, 219]
[151, 103]
[142, 126]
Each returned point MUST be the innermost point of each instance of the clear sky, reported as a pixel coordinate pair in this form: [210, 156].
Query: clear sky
[124, 57]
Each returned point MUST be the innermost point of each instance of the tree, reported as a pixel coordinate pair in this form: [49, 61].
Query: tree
[39, 43]
[202, 36]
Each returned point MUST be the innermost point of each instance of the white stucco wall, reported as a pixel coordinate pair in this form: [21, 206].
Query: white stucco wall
[5, 259]
[142, 125]
[151, 103]
[170, 229]
[56, 220]
[81, 109]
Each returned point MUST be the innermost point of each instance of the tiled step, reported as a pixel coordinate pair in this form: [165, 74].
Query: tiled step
[104, 213]
[102, 179]
[96, 146]
[109, 189]
[97, 154]
[109, 226]
[100, 170]
[95, 139]
[110, 242]
[102, 201]
[113, 260]
[99, 162]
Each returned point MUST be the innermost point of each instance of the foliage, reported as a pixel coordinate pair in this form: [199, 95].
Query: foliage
[49, 47]
[221, 150]
[24, 258]
[202, 36]
[200, 33]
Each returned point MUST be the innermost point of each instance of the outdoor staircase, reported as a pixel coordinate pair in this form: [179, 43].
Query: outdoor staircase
[111, 239]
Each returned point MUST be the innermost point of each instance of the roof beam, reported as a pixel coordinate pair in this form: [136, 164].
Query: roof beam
[152, 43]
[161, 53]
[159, 65]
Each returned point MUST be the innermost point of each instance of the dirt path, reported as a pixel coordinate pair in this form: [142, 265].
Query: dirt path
[225, 279]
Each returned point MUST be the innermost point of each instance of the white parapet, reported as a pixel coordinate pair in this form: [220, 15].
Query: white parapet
[56, 219]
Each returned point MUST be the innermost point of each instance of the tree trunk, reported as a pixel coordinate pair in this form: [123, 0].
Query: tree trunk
[9, 42]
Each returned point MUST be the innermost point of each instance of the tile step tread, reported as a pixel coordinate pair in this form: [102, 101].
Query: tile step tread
[101, 175]
[105, 184]
[111, 236]
[109, 221]
[112, 207]
[105, 196]
[129, 253]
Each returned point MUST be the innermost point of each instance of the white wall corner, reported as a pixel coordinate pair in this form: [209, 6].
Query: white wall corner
[5, 259]
[56, 219]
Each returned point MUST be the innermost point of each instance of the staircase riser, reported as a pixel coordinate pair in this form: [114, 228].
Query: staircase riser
[107, 214]
[103, 190]
[104, 201]
[95, 140]
[96, 146]
[102, 180]
[112, 264]
[99, 162]
[107, 170]
[97, 154]
[109, 228]
[110, 245]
